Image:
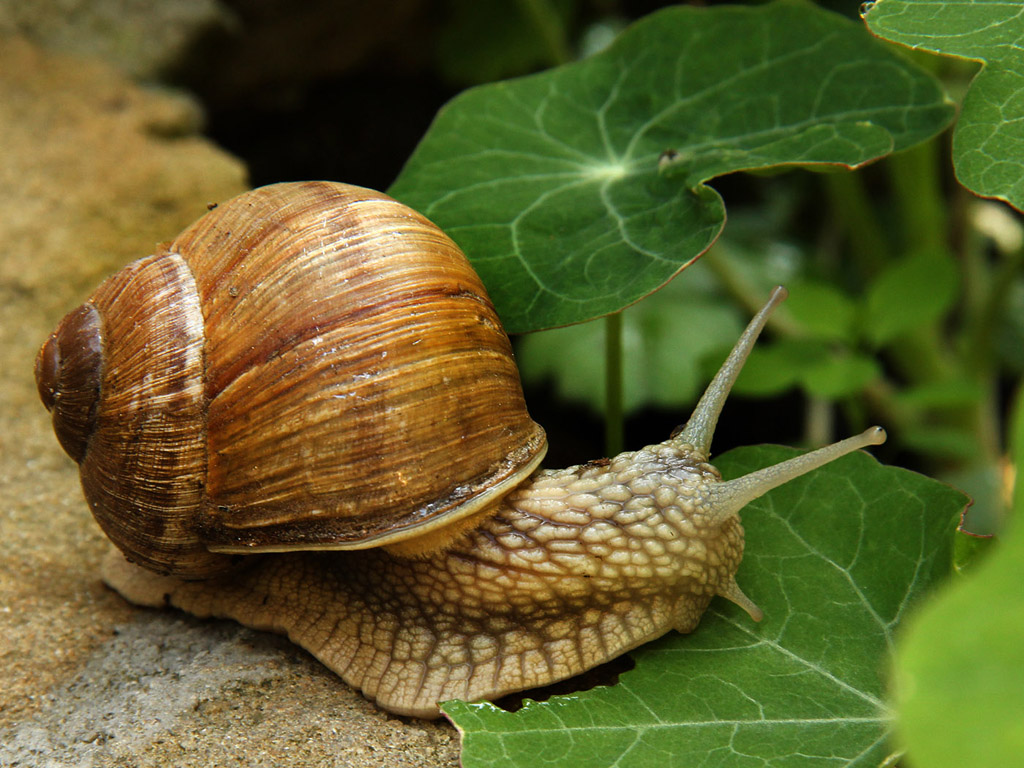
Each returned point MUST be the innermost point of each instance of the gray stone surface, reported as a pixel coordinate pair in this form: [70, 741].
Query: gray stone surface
[93, 172]
[170, 690]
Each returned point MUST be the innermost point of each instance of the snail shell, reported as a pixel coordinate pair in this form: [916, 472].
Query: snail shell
[309, 366]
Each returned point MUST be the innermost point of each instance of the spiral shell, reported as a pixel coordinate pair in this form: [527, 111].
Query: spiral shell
[308, 366]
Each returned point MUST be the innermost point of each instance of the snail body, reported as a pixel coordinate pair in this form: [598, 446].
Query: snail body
[299, 403]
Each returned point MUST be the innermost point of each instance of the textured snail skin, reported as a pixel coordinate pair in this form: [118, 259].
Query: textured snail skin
[575, 568]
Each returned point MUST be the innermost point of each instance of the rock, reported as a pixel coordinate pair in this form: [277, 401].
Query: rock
[145, 38]
[171, 690]
[94, 171]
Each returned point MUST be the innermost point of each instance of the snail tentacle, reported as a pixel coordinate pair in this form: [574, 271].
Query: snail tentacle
[700, 427]
[731, 496]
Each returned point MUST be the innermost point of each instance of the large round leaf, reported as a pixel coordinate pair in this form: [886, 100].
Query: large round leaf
[578, 191]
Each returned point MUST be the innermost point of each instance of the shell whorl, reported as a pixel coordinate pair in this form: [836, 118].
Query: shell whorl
[122, 376]
[145, 470]
[68, 371]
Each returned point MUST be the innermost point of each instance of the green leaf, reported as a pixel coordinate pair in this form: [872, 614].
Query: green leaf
[910, 293]
[818, 369]
[841, 374]
[984, 481]
[948, 393]
[774, 368]
[988, 144]
[946, 442]
[835, 559]
[960, 671]
[822, 310]
[577, 191]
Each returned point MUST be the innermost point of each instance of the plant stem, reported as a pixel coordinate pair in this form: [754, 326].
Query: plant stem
[917, 191]
[613, 409]
[925, 355]
[850, 202]
[914, 175]
[719, 259]
[542, 17]
[988, 290]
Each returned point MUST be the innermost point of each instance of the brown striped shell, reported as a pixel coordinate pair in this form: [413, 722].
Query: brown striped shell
[308, 366]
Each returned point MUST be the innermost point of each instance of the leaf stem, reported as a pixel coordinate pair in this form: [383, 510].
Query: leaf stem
[819, 424]
[856, 213]
[749, 295]
[988, 290]
[613, 409]
[917, 190]
[914, 175]
[926, 355]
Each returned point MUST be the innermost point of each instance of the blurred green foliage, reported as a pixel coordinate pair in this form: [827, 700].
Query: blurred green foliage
[906, 299]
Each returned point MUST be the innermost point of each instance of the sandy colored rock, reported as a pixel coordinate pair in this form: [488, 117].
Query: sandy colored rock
[143, 37]
[93, 172]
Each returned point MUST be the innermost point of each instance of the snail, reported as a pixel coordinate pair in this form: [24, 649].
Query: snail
[303, 414]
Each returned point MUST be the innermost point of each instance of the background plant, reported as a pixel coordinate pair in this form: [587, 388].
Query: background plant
[581, 190]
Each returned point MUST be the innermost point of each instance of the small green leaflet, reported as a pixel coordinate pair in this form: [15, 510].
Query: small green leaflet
[959, 679]
[580, 190]
[835, 559]
[988, 145]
